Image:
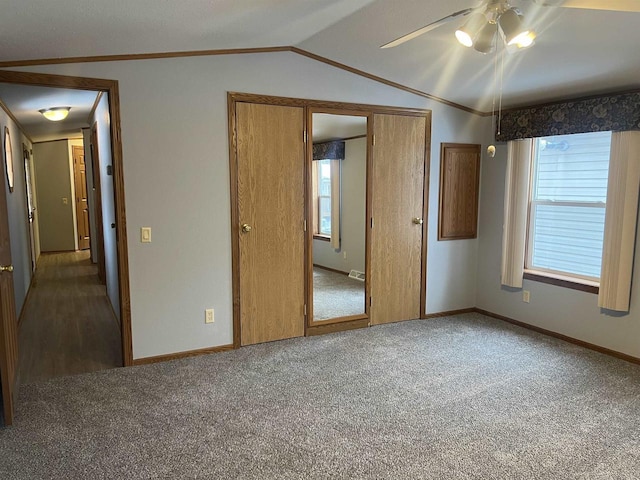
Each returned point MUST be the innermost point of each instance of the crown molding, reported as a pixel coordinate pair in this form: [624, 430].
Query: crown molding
[238, 51]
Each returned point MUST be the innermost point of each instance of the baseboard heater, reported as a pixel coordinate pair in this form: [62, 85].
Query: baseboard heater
[357, 275]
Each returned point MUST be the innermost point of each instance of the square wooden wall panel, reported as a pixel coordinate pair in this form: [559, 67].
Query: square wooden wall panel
[459, 189]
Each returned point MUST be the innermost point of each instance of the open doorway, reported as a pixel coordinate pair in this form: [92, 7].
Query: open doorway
[66, 219]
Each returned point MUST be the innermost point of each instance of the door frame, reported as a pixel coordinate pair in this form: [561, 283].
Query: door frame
[317, 105]
[112, 89]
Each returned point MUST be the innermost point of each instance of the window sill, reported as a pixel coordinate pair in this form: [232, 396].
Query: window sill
[324, 238]
[562, 281]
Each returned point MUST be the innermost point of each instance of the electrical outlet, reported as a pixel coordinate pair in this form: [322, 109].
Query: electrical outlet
[344, 255]
[526, 296]
[65, 201]
[208, 315]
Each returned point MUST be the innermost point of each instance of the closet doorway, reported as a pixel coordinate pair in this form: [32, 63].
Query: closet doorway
[283, 200]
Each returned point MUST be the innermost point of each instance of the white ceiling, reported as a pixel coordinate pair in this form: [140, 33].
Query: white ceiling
[66, 28]
[577, 52]
[327, 126]
[25, 102]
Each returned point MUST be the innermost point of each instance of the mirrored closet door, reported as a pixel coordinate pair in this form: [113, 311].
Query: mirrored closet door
[337, 205]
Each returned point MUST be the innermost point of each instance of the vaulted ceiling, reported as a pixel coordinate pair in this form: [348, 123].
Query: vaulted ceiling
[578, 52]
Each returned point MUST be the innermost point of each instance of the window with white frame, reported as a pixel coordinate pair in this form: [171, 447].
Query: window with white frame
[322, 178]
[567, 204]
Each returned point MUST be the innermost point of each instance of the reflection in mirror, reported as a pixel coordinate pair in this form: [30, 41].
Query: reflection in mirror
[339, 197]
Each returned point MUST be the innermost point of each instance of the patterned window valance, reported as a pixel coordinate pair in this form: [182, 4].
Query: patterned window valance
[328, 151]
[606, 113]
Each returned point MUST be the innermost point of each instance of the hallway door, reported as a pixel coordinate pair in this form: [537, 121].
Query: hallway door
[82, 204]
[270, 174]
[8, 321]
[31, 209]
[397, 229]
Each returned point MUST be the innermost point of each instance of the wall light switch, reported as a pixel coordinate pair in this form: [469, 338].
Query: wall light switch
[526, 296]
[145, 234]
[208, 315]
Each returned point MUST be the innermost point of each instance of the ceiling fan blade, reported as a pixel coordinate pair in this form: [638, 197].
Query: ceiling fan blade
[427, 28]
[614, 5]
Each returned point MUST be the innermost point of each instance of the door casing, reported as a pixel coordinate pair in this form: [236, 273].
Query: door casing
[233, 98]
[111, 87]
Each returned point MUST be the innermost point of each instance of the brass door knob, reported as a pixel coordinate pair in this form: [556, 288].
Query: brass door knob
[246, 227]
[6, 268]
[418, 221]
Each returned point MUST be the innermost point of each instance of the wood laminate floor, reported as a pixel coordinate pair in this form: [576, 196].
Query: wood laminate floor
[68, 325]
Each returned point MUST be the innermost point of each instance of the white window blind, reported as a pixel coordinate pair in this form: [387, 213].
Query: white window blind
[568, 199]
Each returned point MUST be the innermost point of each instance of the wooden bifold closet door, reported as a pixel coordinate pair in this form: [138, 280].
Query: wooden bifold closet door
[271, 209]
[397, 214]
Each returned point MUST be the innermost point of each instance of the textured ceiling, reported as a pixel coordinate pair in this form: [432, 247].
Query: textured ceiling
[327, 126]
[68, 28]
[578, 52]
[25, 102]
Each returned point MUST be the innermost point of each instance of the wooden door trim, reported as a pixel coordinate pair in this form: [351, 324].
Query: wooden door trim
[320, 106]
[235, 215]
[340, 107]
[111, 87]
[425, 215]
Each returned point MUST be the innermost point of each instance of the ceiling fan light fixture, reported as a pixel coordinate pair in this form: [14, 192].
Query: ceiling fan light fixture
[525, 41]
[55, 114]
[485, 40]
[512, 28]
[467, 32]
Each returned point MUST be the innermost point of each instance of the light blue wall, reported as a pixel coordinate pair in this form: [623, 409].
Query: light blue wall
[17, 210]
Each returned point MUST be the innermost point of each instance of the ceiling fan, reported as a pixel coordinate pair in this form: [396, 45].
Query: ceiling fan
[494, 18]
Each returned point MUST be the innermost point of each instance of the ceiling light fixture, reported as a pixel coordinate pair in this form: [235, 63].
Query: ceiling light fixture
[467, 32]
[512, 28]
[55, 114]
[481, 30]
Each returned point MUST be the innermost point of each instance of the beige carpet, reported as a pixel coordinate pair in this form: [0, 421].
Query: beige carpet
[336, 295]
[463, 397]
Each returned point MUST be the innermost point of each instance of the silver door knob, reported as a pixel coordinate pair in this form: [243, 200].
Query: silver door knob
[6, 268]
[418, 221]
[246, 227]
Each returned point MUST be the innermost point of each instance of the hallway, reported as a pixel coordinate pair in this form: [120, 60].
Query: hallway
[68, 326]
